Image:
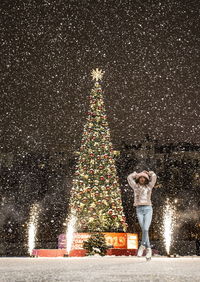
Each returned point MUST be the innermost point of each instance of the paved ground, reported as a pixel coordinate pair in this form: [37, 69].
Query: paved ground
[109, 268]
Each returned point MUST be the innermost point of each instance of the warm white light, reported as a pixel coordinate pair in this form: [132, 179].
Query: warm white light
[32, 227]
[168, 225]
[70, 232]
[97, 74]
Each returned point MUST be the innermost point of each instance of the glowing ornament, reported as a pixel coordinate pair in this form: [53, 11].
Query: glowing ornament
[97, 74]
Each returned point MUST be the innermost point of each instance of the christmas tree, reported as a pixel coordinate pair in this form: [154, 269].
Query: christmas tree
[96, 244]
[95, 196]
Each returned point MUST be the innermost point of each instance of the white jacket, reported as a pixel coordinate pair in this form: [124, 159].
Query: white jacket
[142, 193]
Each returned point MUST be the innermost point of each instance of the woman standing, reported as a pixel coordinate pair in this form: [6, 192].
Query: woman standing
[142, 184]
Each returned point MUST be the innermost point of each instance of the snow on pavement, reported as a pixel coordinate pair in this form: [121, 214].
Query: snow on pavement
[96, 268]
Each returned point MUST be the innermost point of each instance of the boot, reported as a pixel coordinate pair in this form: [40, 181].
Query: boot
[148, 254]
[141, 250]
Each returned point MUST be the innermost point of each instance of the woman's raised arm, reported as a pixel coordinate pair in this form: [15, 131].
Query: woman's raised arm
[153, 178]
[131, 180]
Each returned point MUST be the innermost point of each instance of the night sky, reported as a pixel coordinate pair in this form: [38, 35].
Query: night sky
[149, 51]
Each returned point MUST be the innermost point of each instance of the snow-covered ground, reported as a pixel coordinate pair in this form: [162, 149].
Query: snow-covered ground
[109, 268]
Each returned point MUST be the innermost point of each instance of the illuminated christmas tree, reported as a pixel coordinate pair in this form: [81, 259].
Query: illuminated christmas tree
[95, 196]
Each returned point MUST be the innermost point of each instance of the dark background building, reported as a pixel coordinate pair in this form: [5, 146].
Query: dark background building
[46, 178]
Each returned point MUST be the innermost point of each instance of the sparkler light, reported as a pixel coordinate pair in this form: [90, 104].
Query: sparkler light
[168, 225]
[70, 232]
[32, 227]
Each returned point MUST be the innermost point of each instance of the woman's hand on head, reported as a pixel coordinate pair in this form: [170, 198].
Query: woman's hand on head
[146, 172]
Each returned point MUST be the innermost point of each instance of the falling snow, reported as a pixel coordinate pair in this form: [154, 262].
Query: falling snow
[149, 51]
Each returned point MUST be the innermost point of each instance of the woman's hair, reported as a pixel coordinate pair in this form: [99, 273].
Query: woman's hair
[146, 180]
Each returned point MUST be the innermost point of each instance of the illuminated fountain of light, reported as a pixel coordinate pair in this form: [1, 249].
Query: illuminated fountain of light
[32, 227]
[168, 225]
[70, 232]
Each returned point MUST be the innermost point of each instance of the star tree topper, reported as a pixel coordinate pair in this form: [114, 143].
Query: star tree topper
[97, 74]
